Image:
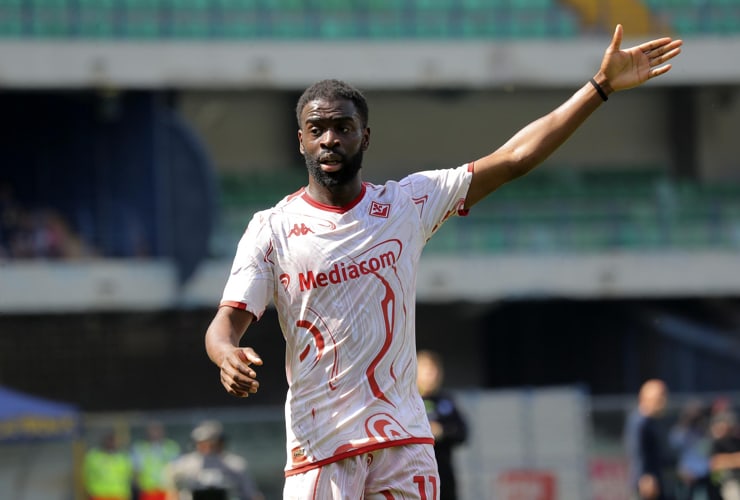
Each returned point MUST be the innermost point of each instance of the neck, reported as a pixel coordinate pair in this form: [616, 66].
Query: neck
[335, 196]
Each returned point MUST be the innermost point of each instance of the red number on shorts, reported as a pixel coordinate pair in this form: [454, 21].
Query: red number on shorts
[421, 483]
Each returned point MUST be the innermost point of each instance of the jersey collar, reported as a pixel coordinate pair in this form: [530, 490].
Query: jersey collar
[330, 208]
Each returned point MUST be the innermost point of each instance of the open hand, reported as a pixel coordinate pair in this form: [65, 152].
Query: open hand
[623, 69]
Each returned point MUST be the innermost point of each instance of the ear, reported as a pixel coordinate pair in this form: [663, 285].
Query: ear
[366, 139]
[300, 142]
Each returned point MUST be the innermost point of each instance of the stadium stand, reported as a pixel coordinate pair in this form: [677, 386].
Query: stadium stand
[367, 19]
[630, 209]
[576, 213]
[119, 316]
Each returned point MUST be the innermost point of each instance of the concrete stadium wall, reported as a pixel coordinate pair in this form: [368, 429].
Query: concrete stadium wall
[141, 285]
[388, 64]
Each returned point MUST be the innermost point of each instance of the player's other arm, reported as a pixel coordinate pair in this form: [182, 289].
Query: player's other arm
[620, 69]
[222, 345]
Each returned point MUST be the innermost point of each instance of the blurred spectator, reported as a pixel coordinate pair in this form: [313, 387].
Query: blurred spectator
[9, 216]
[721, 404]
[41, 233]
[150, 458]
[107, 471]
[725, 454]
[210, 472]
[646, 450]
[448, 426]
[690, 439]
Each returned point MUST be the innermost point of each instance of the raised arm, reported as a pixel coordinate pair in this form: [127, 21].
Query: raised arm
[620, 70]
[222, 345]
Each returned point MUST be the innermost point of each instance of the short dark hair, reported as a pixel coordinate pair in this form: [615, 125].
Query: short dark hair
[333, 89]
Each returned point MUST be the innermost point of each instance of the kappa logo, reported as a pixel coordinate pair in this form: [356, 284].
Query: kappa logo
[380, 209]
[299, 230]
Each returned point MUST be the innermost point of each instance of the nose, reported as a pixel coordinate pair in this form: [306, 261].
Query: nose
[329, 139]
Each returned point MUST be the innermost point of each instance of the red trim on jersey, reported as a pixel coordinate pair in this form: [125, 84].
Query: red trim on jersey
[297, 193]
[315, 493]
[238, 305]
[330, 208]
[357, 451]
[234, 304]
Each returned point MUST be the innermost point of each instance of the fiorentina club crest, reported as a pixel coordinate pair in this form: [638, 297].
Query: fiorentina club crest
[380, 209]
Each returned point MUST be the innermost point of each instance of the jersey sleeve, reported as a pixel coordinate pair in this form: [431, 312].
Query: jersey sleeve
[439, 194]
[250, 285]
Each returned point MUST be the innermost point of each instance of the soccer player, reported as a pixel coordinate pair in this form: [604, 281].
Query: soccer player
[339, 257]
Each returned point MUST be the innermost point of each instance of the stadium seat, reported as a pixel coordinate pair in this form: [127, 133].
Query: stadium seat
[484, 5]
[329, 6]
[50, 18]
[532, 4]
[278, 6]
[207, 19]
[11, 18]
[96, 18]
[188, 18]
[389, 25]
[423, 5]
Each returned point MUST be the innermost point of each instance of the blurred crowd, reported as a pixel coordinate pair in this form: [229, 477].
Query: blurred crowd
[697, 457]
[36, 233]
[706, 440]
[155, 468]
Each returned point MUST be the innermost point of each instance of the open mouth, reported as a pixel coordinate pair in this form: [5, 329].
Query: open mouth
[331, 163]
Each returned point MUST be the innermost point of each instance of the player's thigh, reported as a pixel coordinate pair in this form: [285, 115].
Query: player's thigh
[403, 473]
[342, 480]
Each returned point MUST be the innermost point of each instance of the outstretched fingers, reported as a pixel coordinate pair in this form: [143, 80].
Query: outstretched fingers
[627, 68]
[660, 54]
[659, 71]
[655, 44]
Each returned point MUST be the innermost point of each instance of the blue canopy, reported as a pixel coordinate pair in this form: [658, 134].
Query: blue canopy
[24, 417]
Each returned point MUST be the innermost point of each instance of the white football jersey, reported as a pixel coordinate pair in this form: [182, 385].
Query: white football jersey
[343, 281]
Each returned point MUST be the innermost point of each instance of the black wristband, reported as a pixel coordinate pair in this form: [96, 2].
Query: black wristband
[599, 90]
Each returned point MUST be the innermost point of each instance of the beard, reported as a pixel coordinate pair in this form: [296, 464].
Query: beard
[350, 168]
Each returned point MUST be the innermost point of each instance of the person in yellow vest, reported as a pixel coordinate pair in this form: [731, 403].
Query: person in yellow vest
[107, 471]
[150, 457]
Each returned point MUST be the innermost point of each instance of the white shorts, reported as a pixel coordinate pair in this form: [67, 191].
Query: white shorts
[398, 473]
